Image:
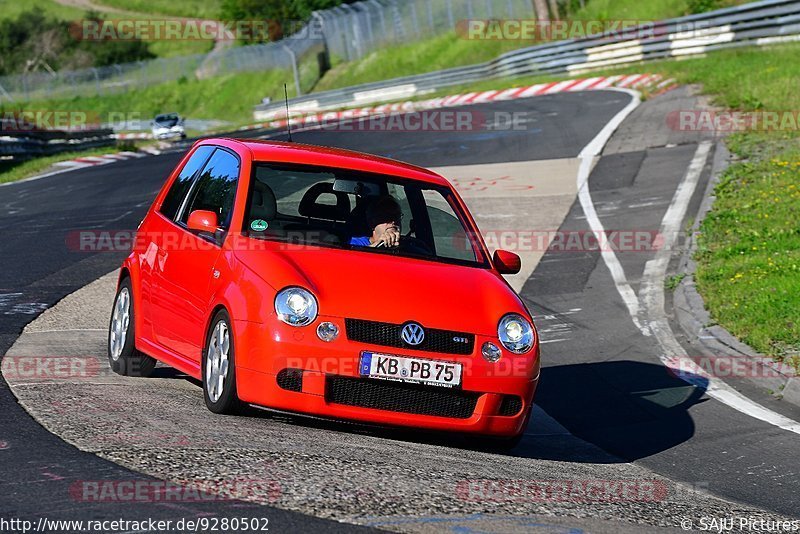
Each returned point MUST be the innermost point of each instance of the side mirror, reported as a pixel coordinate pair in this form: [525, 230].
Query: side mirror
[203, 221]
[506, 262]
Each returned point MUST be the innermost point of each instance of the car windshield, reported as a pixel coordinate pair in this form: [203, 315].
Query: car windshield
[349, 209]
[167, 120]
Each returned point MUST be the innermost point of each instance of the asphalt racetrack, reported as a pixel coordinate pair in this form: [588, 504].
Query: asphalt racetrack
[608, 409]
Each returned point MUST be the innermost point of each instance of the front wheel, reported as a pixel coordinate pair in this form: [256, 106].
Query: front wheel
[219, 369]
[122, 354]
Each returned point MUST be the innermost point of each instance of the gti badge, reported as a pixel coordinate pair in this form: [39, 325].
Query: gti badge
[413, 334]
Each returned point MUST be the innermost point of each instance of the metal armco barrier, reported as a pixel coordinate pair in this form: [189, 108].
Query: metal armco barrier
[754, 24]
[35, 143]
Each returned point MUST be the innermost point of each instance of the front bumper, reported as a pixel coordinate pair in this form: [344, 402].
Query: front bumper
[168, 134]
[332, 387]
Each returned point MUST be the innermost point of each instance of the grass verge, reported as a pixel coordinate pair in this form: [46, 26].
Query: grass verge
[230, 97]
[748, 262]
[12, 171]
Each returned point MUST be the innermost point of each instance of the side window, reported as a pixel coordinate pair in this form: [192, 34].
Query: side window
[398, 192]
[177, 192]
[448, 233]
[215, 189]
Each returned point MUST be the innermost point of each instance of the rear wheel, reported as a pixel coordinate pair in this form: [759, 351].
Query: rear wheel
[219, 369]
[122, 354]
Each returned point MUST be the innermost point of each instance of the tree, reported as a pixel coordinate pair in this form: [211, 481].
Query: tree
[554, 10]
[283, 17]
[540, 6]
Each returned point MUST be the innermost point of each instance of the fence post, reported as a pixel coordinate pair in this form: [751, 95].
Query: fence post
[7, 95]
[431, 23]
[295, 71]
[352, 15]
[414, 19]
[382, 17]
[96, 80]
[399, 30]
[450, 18]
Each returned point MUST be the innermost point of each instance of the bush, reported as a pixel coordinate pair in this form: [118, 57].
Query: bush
[34, 41]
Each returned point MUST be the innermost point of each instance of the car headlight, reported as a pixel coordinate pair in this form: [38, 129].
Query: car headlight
[515, 333]
[295, 306]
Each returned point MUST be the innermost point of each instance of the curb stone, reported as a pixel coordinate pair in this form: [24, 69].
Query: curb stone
[695, 320]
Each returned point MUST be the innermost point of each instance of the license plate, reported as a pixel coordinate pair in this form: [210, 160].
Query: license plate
[403, 369]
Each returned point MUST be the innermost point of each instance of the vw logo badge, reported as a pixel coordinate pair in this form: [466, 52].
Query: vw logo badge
[413, 334]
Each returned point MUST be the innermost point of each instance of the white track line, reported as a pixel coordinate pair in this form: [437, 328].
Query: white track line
[652, 302]
[657, 324]
[586, 157]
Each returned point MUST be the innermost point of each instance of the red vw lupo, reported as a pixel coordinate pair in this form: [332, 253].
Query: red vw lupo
[255, 271]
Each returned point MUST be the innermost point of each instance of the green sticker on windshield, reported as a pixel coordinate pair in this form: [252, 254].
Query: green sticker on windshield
[259, 225]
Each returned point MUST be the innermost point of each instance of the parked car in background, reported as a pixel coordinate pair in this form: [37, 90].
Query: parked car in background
[168, 126]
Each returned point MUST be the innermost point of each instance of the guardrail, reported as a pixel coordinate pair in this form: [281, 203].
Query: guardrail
[758, 23]
[34, 143]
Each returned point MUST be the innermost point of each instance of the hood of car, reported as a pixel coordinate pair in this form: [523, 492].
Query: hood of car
[387, 288]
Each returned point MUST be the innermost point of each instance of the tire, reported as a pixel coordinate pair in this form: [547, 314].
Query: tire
[219, 368]
[123, 357]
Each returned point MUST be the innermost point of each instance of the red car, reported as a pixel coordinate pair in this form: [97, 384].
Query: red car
[268, 271]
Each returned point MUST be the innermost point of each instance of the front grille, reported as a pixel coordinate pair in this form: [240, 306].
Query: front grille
[290, 379]
[400, 397]
[388, 335]
[511, 405]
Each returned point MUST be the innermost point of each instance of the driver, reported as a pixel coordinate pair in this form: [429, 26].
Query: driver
[383, 216]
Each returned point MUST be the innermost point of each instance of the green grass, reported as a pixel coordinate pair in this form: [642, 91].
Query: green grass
[146, 9]
[674, 281]
[230, 97]
[442, 52]
[11, 171]
[749, 258]
[10, 9]
[645, 10]
[206, 9]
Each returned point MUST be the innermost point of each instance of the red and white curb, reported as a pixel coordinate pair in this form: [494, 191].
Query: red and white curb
[133, 136]
[652, 82]
[104, 159]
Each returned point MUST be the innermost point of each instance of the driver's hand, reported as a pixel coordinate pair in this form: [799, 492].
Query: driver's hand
[389, 238]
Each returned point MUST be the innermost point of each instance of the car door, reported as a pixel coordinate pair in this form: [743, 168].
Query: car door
[161, 223]
[186, 261]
